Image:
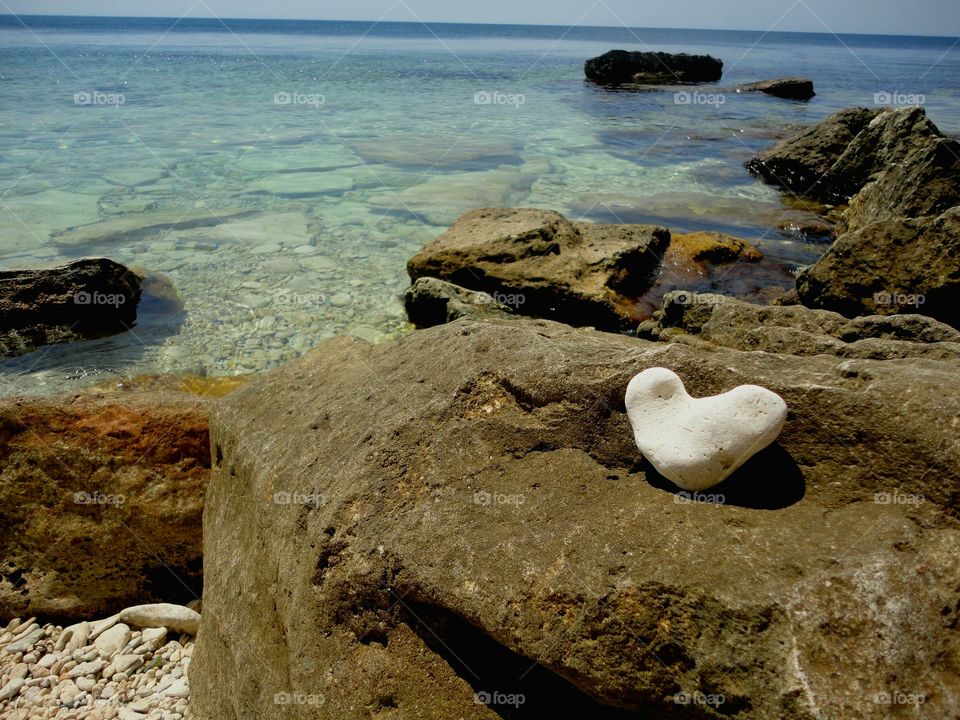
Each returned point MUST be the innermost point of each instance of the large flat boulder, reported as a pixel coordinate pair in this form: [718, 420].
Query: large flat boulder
[458, 524]
[888, 267]
[546, 266]
[101, 499]
[706, 318]
[619, 67]
[83, 299]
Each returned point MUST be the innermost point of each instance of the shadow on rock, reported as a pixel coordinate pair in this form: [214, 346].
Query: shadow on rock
[770, 480]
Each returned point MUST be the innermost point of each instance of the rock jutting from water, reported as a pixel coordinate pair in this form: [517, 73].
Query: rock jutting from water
[698, 442]
[80, 300]
[619, 67]
[792, 88]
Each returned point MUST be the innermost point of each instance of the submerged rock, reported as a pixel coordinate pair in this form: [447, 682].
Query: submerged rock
[480, 526]
[619, 67]
[546, 266]
[80, 300]
[893, 266]
[101, 496]
[713, 319]
[792, 88]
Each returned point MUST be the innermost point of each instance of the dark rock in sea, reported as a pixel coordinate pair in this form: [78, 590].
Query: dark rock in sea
[893, 266]
[430, 302]
[710, 319]
[792, 88]
[886, 163]
[802, 163]
[80, 300]
[619, 67]
[457, 522]
[540, 264]
[101, 497]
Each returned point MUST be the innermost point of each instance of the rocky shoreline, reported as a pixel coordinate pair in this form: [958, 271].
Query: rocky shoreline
[458, 523]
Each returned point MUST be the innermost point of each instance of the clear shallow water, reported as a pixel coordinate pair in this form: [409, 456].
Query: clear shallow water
[334, 151]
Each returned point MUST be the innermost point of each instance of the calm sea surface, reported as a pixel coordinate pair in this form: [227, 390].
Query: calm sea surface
[273, 177]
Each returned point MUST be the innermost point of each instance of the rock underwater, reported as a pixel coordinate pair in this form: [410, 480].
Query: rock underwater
[439, 526]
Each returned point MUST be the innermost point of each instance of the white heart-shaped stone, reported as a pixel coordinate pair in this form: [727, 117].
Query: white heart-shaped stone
[699, 442]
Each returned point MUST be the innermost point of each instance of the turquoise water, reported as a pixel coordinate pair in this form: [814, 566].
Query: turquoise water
[320, 156]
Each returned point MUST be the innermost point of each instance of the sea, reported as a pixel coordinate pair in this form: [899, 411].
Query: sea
[271, 178]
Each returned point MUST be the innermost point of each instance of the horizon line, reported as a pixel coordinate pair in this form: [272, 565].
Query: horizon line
[8, 13]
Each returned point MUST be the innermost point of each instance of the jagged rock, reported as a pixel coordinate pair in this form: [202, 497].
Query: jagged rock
[83, 299]
[481, 524]
[430, 302]
[792, 88]
[803, 162]
[710, 248]
[887, 164]
[893, 266]
[619, 67]
[101, 496]
[900, 165]
[579, 273]
[796, 330]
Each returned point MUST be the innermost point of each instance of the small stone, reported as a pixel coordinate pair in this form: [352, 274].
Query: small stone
[112, 641]
[73, 637]
[102, 625]
[179, 688]
[87, 668]
[341, 300]
[47, 661]
[11, 689]
[20, 671]
[86, 683]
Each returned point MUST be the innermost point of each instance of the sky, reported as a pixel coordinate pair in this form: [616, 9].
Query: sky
[891, 17]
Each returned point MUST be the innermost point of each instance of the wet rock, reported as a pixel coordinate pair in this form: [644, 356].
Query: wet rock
[482, 524]
[81, 300]
[430, 302]
[894, 266]
[803, 162]
[619, 67]
[886, 163]
[791, 88]
[704, 318]
[579, 273]
[101, 495]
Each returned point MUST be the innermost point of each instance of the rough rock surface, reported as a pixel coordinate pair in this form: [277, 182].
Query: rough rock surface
[900, 165]
[893, 266]
[543, 265]
[802, 163]
[101, 498]
[791, 88]
[83, 299]
[619, 67]
[430, 302]
[886, 163]
[797, 330]
[394, 528]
